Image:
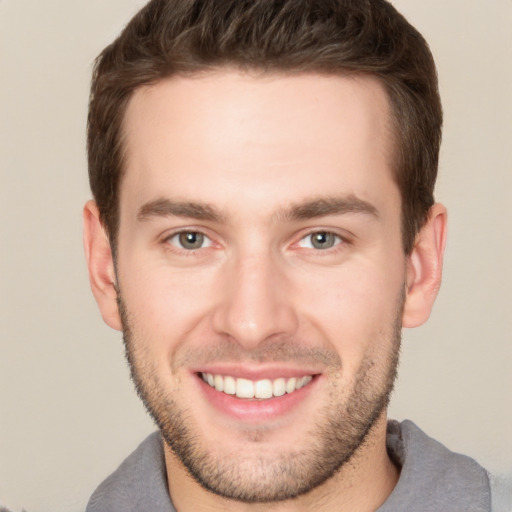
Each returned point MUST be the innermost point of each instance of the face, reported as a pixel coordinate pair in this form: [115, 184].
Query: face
[260, 273]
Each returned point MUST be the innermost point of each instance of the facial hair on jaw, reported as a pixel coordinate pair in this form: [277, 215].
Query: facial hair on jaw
[340, 430]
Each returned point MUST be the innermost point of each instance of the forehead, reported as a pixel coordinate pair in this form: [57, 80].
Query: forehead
[194, 136]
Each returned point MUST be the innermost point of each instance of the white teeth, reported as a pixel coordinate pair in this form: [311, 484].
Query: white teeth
[219, 383]
[279, 387]
[262, 389]
[290, 385]
[244, 388]
[229, 385]
[300, 383]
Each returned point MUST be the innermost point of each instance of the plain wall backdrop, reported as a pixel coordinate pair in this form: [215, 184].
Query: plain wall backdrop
[68, 412]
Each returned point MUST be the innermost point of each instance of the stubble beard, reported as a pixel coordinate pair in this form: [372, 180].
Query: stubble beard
[339, 432]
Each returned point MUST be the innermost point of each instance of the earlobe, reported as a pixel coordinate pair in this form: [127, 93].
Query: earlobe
[100, 265]
[424, 268]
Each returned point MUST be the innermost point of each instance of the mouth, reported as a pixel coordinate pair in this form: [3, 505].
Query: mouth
[262, 389]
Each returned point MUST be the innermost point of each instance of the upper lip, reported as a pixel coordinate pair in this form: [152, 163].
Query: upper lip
[256, 372]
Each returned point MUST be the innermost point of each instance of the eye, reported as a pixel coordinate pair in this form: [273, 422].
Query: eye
[190, 240]
[320, 240]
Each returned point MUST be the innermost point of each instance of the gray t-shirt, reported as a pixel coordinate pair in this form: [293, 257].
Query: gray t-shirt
[432, 478]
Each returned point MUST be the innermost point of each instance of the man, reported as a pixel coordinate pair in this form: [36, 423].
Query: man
[263, 226]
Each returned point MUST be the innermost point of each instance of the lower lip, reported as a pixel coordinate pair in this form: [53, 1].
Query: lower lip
[255, 410]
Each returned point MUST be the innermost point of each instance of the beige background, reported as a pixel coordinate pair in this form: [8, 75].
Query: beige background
[68, 414]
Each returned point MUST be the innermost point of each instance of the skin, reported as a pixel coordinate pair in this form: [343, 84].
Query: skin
[254, 155]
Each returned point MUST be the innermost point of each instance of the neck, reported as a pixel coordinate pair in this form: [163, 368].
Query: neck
[363, 483]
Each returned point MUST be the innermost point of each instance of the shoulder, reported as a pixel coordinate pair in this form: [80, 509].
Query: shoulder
[432, 477]
[139, 483]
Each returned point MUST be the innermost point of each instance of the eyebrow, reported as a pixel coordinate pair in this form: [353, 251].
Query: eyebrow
[329, 206]
[167, 208]
[319, 207]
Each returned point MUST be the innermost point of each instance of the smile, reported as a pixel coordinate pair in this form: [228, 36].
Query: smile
[261, 389]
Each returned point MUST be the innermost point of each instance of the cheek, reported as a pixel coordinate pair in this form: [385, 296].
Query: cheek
[164, 304]
[355, 308]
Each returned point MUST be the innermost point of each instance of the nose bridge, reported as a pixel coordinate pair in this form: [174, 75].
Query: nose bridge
[255, 303]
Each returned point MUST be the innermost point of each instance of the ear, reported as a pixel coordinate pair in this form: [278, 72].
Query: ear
[101, 266]
[424, 268]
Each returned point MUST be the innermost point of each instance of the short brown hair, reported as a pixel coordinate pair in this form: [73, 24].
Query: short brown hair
[169, 37]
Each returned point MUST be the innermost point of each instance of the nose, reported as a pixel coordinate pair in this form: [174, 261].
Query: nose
[255, 302]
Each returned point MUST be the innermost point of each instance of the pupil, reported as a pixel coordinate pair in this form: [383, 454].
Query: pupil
[191, 240]
[322, 240]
